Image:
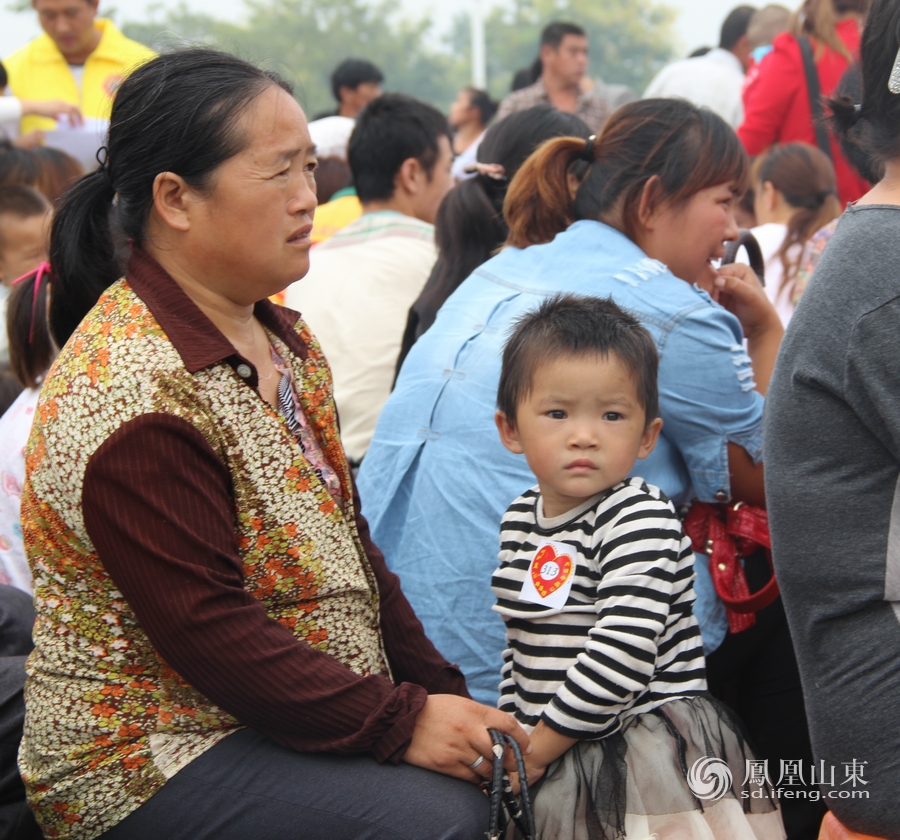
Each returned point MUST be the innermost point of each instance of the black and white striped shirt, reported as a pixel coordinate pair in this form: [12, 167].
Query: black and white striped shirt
[626, 640]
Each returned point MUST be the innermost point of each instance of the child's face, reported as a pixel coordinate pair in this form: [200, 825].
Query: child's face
[24, 244]
[581, 428]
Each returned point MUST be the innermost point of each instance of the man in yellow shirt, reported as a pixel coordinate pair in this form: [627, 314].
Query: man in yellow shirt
[79, 59]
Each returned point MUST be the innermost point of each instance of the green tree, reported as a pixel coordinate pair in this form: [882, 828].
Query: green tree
[629, 39]
[304, 40]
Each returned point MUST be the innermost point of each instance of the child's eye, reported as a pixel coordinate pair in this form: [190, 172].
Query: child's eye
[612, 415]
[557, 414]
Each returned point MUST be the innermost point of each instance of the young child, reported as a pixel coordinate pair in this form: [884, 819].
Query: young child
[604, 663]
[24, 237]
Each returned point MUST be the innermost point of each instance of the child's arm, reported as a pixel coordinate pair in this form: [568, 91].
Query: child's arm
[546, 746]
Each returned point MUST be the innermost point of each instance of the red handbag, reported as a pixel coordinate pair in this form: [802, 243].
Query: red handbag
[727, 533]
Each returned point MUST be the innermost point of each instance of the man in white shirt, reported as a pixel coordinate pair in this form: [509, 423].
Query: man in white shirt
[363, 280]
[713, 80]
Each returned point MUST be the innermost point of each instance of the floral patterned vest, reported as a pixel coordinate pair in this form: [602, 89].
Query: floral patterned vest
[108, 721]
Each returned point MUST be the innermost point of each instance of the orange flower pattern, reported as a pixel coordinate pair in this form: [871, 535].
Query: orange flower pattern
[108, 721]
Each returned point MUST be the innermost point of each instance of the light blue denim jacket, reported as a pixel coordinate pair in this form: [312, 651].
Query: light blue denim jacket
[436, 479]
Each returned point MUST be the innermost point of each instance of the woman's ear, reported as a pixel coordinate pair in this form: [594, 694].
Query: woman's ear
[649, 202]
[650, 436]
[172, 199]
[509, 437]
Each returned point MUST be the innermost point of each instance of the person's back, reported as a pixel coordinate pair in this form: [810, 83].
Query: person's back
[363, 279]
[777, 106]
[714, 79]
[469, 225]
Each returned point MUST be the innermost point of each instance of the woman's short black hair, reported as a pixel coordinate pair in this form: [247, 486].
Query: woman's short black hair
[388, 131]
[577, 325]
[178, 113]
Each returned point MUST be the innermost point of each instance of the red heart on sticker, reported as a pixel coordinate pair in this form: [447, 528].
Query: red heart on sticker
[550, 570]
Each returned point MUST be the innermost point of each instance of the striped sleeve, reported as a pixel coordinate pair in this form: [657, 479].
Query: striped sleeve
[644, 569]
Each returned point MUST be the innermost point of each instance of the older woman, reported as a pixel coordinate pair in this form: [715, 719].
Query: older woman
[220, 651]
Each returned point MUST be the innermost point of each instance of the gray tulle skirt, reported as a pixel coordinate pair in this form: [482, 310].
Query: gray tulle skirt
[679, 772]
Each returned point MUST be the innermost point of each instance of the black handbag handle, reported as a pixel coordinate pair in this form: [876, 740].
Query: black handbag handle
[815, 95]
[518, 808]
[747, 241]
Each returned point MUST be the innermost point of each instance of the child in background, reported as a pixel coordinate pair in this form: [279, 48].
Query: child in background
[24, 237]
[605, 664]
[794, 195]
[24, 218]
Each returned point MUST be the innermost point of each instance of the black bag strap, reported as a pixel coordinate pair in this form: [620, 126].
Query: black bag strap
[502, 797]
[754, 253]
[815, 95]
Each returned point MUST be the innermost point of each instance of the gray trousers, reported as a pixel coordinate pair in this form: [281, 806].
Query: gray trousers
[247, 786]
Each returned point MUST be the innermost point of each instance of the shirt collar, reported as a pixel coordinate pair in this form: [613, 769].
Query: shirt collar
[45, 49]
[540, 92]
[198, 341]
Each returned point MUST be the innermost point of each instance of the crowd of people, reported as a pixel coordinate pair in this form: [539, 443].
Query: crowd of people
[275, 391]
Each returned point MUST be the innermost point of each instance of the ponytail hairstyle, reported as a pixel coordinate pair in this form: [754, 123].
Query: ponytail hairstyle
[804, 175]
[469, 227]
[178, 113]
[31, 347]
[688, 148]
[817, 19]
[870, 117]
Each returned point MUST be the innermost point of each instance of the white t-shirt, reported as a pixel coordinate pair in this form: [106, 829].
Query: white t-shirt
[770, 237]
[15, 426]
[10, 114]
[77, 71]
[713, 80]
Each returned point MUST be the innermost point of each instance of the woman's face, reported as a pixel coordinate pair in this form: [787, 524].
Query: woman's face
[688, 237]
[252, 232]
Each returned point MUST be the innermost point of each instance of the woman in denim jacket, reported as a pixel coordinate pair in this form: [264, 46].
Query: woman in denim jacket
[639, 214]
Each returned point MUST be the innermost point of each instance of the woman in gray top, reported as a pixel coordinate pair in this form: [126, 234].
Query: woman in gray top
[832, 454]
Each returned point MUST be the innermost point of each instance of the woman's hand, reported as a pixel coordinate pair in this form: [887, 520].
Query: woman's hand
[452, 732]
[738, 289]
[54, 109]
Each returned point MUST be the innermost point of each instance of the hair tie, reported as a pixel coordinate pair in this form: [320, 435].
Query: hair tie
[103, 168]
[587, 153]
[494, 171]
[37, 274]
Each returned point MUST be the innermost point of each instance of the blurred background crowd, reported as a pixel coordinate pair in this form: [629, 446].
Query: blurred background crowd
[413, 170]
